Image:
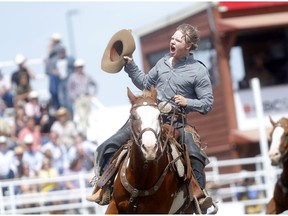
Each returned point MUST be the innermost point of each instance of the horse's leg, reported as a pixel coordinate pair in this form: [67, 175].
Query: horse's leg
[112, 209]
[271, 207]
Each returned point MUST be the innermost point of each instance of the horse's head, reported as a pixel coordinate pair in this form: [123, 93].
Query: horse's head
[279, 140]
[145, 122]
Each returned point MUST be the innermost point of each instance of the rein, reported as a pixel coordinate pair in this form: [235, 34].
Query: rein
[134, 192]
[140, 193]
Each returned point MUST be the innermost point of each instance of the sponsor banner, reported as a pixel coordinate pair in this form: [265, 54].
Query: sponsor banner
[274, 101]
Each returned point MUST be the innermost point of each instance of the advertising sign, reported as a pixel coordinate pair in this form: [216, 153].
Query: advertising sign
[275, 104]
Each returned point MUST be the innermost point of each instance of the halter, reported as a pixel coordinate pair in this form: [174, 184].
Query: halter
[136, 137]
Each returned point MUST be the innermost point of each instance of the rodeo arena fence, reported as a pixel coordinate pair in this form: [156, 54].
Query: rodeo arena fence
[225, 189]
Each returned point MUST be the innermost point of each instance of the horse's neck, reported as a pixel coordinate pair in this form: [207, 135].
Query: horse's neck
[284, 174]
[146, 171]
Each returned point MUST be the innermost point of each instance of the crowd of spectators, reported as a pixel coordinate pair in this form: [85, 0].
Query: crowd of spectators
[43, 140]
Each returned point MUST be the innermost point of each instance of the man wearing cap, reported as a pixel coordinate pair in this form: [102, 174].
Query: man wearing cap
[64, 67]
[65, 127]
[22, 70]
[6, 158]
[79, 82]
[32, 107]
[54, 47]
[184, 82]
[31, 156]
[79, 90]
[31, 129]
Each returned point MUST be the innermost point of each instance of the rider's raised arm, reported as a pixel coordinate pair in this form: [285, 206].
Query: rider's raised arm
[139, 78]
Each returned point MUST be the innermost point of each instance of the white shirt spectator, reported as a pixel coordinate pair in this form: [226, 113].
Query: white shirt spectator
[34, 159]
[59, 156]
[7, 159]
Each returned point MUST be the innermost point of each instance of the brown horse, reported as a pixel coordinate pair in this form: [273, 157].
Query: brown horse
[278, 154]
[146, 181]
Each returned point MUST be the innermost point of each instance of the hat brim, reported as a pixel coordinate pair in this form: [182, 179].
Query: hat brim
[121, 44]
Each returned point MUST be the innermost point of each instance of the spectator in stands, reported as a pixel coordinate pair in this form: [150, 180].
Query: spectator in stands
[32, 129]
[32, 107]
[22, 90]
[2, 107]
[5, 90]
[64, 67]
[22, 71]
[6, 158]
[83, 148]
[64, 126]
[46, 122]
[250, 194]
[18, 161]
[19, 123]
[259, 70]
[31, 156]
[56, 152]
[74, 169]
[48, 171]
[53, 48]
[79, 90]
[27, 188]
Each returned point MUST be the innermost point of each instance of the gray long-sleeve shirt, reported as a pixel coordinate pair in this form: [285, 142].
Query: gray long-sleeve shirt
[188, 78]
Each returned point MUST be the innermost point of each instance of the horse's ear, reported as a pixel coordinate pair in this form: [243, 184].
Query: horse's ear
[271, 120]
[153, 92]
[131, 96]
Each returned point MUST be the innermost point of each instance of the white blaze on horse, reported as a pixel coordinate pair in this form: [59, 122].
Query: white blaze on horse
[278, 154]
[150, 129]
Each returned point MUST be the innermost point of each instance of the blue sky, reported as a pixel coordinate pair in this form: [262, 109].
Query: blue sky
[27, 26]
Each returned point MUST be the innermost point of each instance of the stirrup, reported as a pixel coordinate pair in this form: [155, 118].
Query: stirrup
[101, 196]
[205, 202]
[95, 196]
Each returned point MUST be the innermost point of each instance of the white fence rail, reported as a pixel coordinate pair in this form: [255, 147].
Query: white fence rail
[65, 201]
[224, 192]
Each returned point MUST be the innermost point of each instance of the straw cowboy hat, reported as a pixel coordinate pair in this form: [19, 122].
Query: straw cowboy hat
[61, 111]
[121, 44]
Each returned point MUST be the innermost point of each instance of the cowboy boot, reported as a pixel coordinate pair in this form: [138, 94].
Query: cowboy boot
[205, 202]
[95, 196]
[102, 196]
